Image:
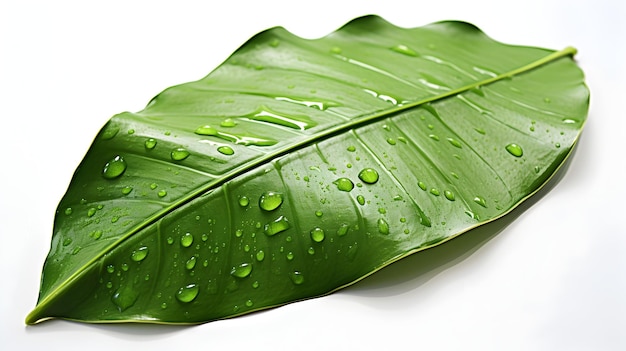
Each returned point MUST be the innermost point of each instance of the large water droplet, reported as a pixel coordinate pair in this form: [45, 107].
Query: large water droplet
[297, 278]
[187, 293]
[114, 168]
[317, 234]
[344, 184]
[226, 150]
[279, 225]
[186, 240]
[368, 175]
[383, 226]
[123, 298]
[139, 254]
[514, 150]
[270, 201]
[179, 154]
[150, 143]
[241, 271]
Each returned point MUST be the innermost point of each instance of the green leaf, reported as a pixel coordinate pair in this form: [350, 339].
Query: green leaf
[298, 167]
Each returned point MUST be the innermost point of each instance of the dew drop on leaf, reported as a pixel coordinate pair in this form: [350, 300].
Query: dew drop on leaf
[228, 123]
[150, 143]
[360, 199]
[279, 225]
[139, 254]
[226, 150]
[114, 168]
[368, 175]
[187, 293]
[344, 184]
[124, 298]
[126, 190]
[270, 201]
[244, 201]
[514, 150]
[317, 234]
[260, 255]
[241, 271]
[186, 240]
[179, 154]
[449, 195]
[191, 263]
[479, 200]
[383, 226]
[297, 278]
[342, 230]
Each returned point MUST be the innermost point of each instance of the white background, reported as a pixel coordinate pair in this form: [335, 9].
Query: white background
[553, 279]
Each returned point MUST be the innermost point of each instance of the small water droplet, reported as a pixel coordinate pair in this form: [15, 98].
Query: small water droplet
[297, 278]
[434, 137]
[514, 150]
[449, 195]
[569, 121]
[187, 293]
[67, 241]
[435, 191]
[383, 226]
[547, 100]
[131, 131]
[170, 240]
[164, 305]
[270, 201]
[150, 143]
[139, 254]
[472, 215]
[162, 193]
[241, 271]
[319, 213]
[537, 169]
[191, 263]
[479, 200]
[360, 199]
[179, 154]
[153, 186]
[228, 123]
[206, 130]
[317, 234]
[260, 255]
[344, 184]
[126, 190]
[342, 230]
[368, 175]
[96, 234]
[335, 50]
[226, 150]
[557, 145]
[277, 226]
[480, 131]
[422, 185]
[186, 240]
[351, 148]
[289, 256]
[454, 143]
[68, 211]
[391, 141]
[405, 50]
[110, 268]
[114, 168]
[110, 132]
[244, 201]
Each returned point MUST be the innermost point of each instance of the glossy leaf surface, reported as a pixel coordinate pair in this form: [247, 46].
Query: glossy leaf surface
[299, 166]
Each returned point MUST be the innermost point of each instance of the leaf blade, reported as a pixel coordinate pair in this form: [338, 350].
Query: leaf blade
[304, 136]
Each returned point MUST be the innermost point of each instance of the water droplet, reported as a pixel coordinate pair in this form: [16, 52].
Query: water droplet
[319, 213]
[434, 137]
[344, 184]
[67, 241]
[244, 201]
[164, 305]
[187, 293]
[260, 255]
[110, 132]
[126, 190]
[317, 234]
[97, 234]
[125, 267]
[249, 303]
[289, 256]
[114, 168]
[131, 131]
[547, 100]
[454, 143]
[277, 226]
[557, 145]
[422, 185]
[449, 195]
[472, 215]
[68, 211]
[110, 268]
[153, 186]
[479, 200]
[297, 278]
[191, 263]
[515, 150]
[391, 141]
[206, 130]
[162, 193]
[179, 154]
[139, 254]
[255, 285]
[405, 50]
[226, 150]
[228, 123]
[335, 50]
[383, 226]
[241, 271]
[170, 240]
[270, 201]
[435, 191]
[351, 148]
[537, 169]
[480, 131]
[76, 250]
[360, 199]
[342, 230]
[150, 143]
[186, 240]
[569, 121]
[124, 298]
[368, 175]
